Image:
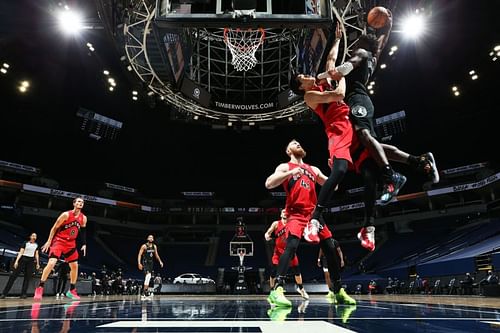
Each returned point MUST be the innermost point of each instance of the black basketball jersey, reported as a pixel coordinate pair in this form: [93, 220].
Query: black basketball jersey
[357, 80]
[149, 253]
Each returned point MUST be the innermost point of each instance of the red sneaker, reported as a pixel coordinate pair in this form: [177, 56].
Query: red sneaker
[38, 294]
[71, 294]
[311, 231]
[367, 238]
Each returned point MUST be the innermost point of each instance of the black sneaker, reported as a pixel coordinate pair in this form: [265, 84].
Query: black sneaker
[428, 164]
[392, 188]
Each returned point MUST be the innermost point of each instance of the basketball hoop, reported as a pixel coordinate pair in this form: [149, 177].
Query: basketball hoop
[243, 44]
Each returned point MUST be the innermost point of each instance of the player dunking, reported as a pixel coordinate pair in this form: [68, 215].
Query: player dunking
[145, 258]
[62, 243]
[362, 65]
[328, 104]
[299, 181]
[279, 231]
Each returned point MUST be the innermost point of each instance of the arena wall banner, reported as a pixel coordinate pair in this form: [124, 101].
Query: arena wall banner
[245, 107]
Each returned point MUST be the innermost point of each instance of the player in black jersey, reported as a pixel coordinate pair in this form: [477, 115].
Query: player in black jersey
[145, 260]
[358, 71]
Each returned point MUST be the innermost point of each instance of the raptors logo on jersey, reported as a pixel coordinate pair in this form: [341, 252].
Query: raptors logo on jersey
[300, 189]
[281, 236]
[69, 230]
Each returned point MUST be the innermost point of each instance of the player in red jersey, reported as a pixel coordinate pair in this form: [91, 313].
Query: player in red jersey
[62, 243]
[328, 104]
[299, 181]
[279, 232]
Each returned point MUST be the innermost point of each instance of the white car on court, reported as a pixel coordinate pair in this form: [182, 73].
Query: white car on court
[192, 278]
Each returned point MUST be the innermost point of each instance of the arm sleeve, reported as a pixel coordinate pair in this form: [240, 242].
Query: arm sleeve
[83, 234]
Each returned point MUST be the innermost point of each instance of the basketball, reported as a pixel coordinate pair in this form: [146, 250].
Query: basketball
[378, 17]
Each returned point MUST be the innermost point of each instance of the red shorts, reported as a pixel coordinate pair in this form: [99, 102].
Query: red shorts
[276, 259]
[297, 221]
[60, 247]
[340, 135]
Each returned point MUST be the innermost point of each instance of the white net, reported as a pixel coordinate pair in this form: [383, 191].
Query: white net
[243, 44]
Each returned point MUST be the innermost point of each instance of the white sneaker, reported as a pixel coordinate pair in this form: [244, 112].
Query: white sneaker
[303, 293]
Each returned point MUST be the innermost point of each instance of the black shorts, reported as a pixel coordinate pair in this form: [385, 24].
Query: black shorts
[362, 112]
[294, 270]
[147, 267]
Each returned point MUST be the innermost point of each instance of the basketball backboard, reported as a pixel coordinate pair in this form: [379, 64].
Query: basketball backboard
[235, 248]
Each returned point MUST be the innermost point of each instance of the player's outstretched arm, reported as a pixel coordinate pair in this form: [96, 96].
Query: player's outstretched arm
[280, 175]
[60, 220]
[384, 37]
[334, 51]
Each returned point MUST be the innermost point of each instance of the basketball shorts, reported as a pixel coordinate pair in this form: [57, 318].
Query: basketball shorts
[362, 112]
[64, 249]
[297, 221]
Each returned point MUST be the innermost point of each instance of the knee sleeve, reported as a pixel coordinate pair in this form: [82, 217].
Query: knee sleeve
[147, 278]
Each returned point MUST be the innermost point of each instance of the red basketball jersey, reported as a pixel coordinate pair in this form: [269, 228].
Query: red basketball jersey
[70, 228]
[332, 113]
[281, 235]
[301, 189]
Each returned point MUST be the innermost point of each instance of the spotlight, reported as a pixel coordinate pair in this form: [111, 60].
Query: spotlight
[3, 70]
[474, 77]
[123, 58]
[496, 48]
[5, 65]
[456, 93]
[91, 49]
[162, 98]
[229, 124]
[290, 118]
[492, 54]
[494, 59]
[472, 72]
[89, 45]
[70, 22]
[134, 93]
[413, 26]
[394, 48]
[150, 93]
[391, 53]
[383, 66]
[196, 117]
[134, 98]
[372, 83]
[371, 92]
[129, 68]
[111, 88]
[22, 89]
[251, 123]
[498, 54]
[105, 72]
[454, 88]
[25, 84]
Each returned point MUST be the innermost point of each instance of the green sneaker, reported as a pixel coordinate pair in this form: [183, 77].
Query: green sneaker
[270, 299]
[345, 312]
[278, 314]
[343, 298]
[330, 297]
[277, 297]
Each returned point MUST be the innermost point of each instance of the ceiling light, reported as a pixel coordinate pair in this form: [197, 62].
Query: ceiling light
[196, 117]
[371, 92]
[474, 77]
[105, 72]
[162, 98]
[492, 54]
[129, 68]
[413, 26]
[134, 98]
[23, 89]
[496, 48]
[111, 88]
[456, 93]
[251, 123]
[290, 118]
[134, 93]
[6, 65]
[70, 22]
[454, 88]
[3, 70]
[472, 72]
[383, 66]
[229, 124]
[394, 48]
[150, 93]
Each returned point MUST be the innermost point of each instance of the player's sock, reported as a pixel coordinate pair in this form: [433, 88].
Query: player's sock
[387, 173]
[41, 284]
[72, 286]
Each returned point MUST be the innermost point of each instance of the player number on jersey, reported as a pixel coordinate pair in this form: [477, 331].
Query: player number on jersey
[304, 184]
